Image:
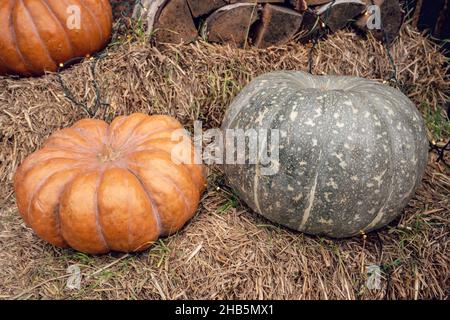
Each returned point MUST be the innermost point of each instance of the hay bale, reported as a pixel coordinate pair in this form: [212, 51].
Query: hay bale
[226, 251]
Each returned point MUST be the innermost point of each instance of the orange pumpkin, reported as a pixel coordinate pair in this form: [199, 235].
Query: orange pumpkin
[37, 35]
[97, 187]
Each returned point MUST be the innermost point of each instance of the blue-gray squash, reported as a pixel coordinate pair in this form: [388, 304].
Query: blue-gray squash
[351, 152]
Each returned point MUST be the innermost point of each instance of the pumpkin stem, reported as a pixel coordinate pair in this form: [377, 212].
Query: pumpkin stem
[108, 154]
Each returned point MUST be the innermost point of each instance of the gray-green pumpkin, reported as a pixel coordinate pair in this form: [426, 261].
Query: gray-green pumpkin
[351, 152]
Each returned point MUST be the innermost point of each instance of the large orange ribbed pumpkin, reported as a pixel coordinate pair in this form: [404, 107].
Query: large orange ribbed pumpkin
[97, 187]
[37, 35]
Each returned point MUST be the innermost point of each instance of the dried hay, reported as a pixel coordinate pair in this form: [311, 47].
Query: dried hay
[226, 251]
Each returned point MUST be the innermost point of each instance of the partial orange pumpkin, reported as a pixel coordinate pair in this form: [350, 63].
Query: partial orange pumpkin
[97, 187]
[37, 35]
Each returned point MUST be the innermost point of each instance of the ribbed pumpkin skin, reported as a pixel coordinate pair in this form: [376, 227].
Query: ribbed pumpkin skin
[97, 187]
[35, 36]
[352, 152]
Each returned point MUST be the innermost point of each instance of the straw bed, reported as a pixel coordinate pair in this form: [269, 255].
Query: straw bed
[226, 251]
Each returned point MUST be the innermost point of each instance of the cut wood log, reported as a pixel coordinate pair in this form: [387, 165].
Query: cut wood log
[317, 2]
[231, 24]
[417, 13]
[299, 5]
[384, 25]
[253, 1]
[363, 21]
[147, 10]
[336, 15]
[392, 17]
[174, 24]
[169, 20]
[278, 25]
[122, 8]
[442, 26]
[310, 26]
[434, 17]
[203, 7]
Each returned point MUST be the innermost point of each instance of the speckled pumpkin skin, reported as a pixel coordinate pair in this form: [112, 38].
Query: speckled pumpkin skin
[97, 187]
[352, 152]
[37, 35]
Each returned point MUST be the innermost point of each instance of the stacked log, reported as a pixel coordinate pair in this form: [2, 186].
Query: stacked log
[122, 8]
[262, 23]
[433, 16]
[391, 18]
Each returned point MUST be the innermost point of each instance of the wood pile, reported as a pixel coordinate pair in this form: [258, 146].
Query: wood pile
[433, 16]
[122, 8]
[263, 23]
